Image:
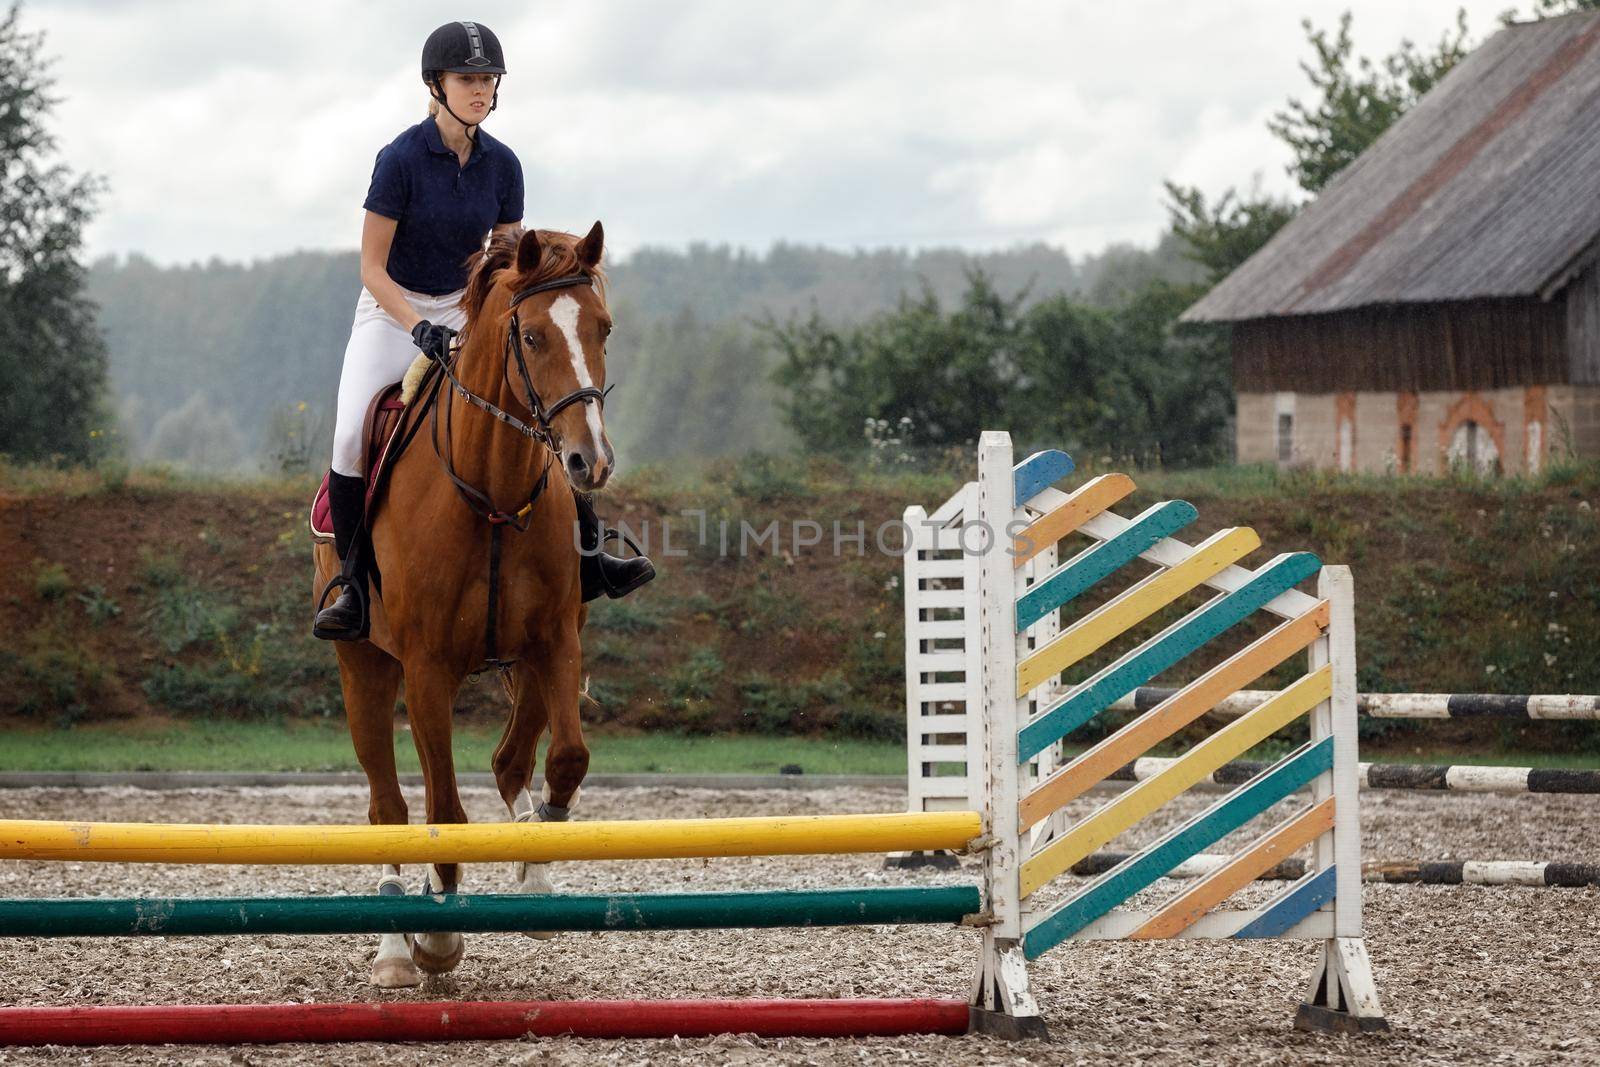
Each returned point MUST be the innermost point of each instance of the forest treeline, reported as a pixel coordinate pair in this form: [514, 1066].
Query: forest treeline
[228, 367]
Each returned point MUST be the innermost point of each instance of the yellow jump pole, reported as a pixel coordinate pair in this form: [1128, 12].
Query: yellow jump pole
[486, 842]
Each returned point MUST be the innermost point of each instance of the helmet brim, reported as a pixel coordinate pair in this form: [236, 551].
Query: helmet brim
[471, 70]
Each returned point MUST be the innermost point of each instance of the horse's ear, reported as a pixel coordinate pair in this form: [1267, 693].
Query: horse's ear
[590, 247]
[528, 251]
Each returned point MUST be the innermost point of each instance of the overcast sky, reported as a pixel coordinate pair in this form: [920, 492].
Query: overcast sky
[245, 130]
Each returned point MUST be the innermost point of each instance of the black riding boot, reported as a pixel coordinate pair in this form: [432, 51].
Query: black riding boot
[345, 618]
[604, 573]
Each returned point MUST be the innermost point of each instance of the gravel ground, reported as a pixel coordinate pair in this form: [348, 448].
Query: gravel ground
[1494, 975]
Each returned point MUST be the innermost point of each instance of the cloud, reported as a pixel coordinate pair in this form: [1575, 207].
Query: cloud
[248, 130]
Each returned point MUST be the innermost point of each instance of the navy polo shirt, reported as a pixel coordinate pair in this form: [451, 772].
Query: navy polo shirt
[444, 209]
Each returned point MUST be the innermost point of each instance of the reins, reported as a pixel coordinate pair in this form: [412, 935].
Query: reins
[539, 430]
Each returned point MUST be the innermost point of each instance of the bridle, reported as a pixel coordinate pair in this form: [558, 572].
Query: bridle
[540, 429]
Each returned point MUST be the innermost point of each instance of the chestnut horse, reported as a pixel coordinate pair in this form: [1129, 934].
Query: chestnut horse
[535, 301]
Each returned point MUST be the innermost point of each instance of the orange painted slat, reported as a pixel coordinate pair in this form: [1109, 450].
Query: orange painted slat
[1173, 714]
[1278, 844]
[1089, 500]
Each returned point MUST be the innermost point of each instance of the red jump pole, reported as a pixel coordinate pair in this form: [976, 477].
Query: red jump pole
[237, 1024]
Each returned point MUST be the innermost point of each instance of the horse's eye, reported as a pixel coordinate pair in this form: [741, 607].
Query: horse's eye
[530, 340]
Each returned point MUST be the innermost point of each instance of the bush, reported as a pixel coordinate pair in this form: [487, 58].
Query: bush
[178, 612]
[770, 706]
[55, 680]
[211, 689]
[99, 606]
[50, 581]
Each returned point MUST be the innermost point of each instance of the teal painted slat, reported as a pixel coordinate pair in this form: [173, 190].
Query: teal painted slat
[1039, 471]
[1162, 651]
[1200, 833]
[1291, 906]
[1093, 564]
[466, 912]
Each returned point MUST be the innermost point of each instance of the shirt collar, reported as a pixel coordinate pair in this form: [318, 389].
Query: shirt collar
[430, 132]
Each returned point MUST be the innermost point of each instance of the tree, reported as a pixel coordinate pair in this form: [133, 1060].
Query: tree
[1123, 382]
[1223, 235]
[52, 356]
[1357, 101]
[1544, 9]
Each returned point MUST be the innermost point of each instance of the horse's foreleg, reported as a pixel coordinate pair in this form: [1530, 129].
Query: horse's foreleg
[371, 680]
[430, 695]
[568, 759]
[538, 697]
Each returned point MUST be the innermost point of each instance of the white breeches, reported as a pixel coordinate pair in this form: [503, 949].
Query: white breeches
[378, 354]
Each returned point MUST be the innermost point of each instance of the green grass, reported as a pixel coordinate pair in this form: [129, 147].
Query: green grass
[244, 746]
[324, 746]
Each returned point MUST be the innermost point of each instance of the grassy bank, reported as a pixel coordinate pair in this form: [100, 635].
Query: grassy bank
[195, 608]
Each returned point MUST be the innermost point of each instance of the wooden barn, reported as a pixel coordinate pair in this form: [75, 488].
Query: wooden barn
[1439, 303]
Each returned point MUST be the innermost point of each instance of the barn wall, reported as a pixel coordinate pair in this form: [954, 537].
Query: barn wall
[1485, 344]
[1583, 327]
[1255, 422]
[1575, 419]
[1563, 419]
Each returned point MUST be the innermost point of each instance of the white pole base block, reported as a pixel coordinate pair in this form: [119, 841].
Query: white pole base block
[1344, 998]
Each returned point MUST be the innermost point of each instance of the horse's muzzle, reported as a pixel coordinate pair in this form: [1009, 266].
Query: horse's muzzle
[588, 469]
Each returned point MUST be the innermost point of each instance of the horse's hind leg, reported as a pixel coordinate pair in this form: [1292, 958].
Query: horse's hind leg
[371, 681]
[430, 694]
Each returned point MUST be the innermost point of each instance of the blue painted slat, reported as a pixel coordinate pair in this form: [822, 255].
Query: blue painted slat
[1039, 471]
[1093, 564]
[1292, 905]
[1200, 833]
[1161, 652]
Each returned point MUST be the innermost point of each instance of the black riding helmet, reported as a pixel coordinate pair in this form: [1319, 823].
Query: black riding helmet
[462, 48]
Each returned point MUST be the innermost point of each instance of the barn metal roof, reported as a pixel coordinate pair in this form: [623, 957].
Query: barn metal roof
[1488, 187]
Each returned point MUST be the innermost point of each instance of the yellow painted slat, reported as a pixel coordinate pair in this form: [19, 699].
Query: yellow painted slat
[1173, 714]
[1277, 845]
[1089, 500]
[486, 842]
[1228, 743]
[1135, 605]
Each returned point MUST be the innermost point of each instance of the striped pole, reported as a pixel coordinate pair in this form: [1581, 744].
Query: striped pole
[236, 1024]
[1458, 778]
[469, 913]
[1404, 705]
[1548, 873]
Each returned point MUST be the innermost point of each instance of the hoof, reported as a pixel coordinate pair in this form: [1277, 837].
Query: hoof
[395, 972]
[534, 878]
[439, 962]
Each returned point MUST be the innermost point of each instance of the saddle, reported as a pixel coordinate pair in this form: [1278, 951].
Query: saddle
[394, 406]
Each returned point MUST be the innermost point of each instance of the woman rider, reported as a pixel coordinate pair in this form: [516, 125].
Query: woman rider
[437, 191]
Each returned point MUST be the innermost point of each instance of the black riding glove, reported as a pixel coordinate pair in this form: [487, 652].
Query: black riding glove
[433, 340]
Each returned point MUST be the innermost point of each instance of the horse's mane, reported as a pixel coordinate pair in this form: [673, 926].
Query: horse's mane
[558, 256]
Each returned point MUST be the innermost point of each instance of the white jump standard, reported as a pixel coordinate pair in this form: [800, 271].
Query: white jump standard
[1017, 515]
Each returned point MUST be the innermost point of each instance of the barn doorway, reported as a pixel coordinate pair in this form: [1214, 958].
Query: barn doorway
[1472, 448]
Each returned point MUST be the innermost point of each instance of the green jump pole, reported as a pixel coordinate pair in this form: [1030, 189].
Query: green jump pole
[469, 913]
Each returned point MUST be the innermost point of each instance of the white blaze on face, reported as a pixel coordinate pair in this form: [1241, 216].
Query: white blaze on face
[564, 314]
